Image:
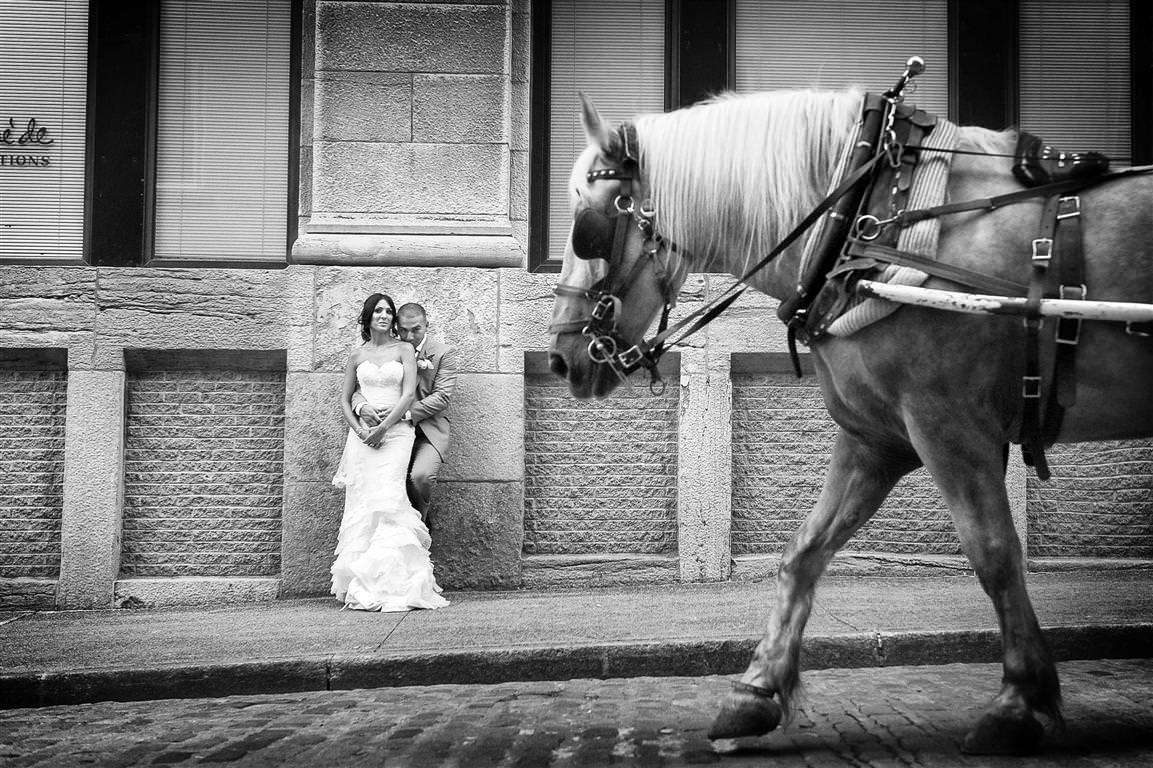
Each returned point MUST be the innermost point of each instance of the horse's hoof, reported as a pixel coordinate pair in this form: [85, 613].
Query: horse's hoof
[745, 714]
[1000, 734]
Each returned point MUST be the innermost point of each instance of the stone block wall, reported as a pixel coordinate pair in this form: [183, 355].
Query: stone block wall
[203, 474]
[600, 476]
[31, 472]
[414, 179]
[1098, 503]
[782, 438]
[414, 140]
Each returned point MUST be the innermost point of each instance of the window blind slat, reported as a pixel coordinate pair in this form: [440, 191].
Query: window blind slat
[1073, 95]
[818, 44]
[222, 130]
[43, 75]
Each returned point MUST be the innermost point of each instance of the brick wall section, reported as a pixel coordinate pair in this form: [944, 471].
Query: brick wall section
[782, 438]
[600, 476]
[203, 474]
[1098, 503]
[32, 409]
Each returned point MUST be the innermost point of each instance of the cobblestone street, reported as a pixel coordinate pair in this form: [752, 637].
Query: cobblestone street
[867, 717]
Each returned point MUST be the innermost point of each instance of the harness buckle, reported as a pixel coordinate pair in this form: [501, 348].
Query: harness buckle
[1068, 207]
[1031, 387]
[1069, 328]
[605, 307]
[1042, 251]
[632, 357]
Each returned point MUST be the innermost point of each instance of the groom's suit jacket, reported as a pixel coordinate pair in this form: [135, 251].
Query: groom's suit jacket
[435, 380]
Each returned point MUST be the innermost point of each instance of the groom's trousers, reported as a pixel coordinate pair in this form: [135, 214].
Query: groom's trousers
[422, 473]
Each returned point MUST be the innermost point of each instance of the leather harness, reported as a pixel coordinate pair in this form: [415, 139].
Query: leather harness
[864, 215]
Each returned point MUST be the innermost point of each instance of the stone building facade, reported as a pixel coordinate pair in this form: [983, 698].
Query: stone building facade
[170, 431]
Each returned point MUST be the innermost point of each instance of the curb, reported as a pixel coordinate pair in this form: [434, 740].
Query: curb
[640, 659]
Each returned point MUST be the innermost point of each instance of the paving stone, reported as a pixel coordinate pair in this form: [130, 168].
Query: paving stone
[898, 716]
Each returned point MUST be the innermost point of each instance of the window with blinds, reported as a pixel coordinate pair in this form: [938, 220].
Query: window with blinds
[614, 52]
[819, 44]
[1075, 88]
[43, 79]
[222, 131]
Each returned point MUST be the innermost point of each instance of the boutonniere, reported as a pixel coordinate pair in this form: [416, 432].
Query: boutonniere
[423, 363]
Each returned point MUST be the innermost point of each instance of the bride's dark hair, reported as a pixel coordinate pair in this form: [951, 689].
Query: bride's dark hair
[366, 315]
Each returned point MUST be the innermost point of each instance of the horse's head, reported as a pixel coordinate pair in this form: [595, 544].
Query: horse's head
[618, 274]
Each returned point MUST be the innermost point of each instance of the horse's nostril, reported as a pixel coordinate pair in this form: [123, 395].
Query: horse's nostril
[557, 365]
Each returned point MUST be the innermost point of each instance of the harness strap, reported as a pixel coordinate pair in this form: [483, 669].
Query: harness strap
[905, 218]
[1049, 385]
[1032, 382]
[1070, 285]
[870, 255]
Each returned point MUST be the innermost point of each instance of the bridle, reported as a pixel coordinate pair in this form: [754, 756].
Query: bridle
[590, 241]
[606, 346]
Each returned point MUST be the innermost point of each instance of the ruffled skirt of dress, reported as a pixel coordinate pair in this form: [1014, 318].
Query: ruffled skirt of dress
[382, 561]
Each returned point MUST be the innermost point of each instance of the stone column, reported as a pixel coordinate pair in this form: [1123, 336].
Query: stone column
[314, 435]
[478, 505]
[704, 468]
[93, 486]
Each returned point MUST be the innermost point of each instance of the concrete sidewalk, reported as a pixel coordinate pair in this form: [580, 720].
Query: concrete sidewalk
[484, 637]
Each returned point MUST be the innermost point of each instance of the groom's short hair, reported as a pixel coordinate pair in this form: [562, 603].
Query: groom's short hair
[412, 308]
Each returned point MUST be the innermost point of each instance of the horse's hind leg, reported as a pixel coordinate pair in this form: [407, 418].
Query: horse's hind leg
[969, 472]
[857, 482]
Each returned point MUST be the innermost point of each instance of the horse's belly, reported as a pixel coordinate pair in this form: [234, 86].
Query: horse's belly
[1114, 386]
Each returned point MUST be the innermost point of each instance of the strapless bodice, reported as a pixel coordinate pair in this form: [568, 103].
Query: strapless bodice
[380, 384]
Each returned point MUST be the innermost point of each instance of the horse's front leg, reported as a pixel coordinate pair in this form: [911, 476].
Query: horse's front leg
[858, 480]
[969, 470]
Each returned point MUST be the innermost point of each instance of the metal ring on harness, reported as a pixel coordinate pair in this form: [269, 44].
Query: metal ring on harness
[867, 227]
[602, 349]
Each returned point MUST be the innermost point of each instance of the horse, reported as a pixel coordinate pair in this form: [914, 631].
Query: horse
[714, 187]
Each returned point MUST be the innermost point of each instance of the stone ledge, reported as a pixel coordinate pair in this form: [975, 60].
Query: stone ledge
[162, 593]
[758, 567]
[408, 250]
[27, 594]
[1064, 564]
[559, 571]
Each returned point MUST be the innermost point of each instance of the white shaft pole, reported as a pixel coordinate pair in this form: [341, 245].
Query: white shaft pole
[956, 301]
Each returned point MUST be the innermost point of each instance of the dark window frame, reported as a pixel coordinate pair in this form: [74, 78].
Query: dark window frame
[121, 151]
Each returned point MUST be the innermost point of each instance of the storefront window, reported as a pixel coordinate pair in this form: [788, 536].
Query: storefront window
[222, 131]
[818, 44]
[43, 78]
[1075, 95]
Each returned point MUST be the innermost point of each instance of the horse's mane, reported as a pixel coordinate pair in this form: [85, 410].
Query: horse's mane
[751, 164]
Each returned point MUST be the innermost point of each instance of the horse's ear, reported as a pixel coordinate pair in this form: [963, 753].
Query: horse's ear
[598, 133]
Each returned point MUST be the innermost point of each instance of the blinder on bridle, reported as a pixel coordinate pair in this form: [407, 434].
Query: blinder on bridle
[592, 235]
[601, 234]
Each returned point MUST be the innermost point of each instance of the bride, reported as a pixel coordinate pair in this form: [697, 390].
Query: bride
[382, 561]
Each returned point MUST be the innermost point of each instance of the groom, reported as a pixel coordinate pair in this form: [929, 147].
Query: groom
[435, 379]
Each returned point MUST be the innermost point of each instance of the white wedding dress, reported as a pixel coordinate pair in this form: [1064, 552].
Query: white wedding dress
[382, 561]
